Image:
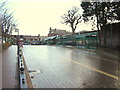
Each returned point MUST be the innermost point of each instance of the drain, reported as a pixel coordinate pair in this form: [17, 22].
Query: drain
[34, 71]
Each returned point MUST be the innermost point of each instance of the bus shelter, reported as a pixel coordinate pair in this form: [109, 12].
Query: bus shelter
[87, 40]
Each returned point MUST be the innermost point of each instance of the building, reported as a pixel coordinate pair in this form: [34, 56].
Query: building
[43, 37]
[54, 32]
[26, 39]
[85, 31]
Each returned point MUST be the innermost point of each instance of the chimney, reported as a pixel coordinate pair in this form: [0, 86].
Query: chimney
[50, 30]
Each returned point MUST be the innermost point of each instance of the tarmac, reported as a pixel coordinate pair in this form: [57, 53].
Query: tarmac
[59, 67]
[10, 76]
[112, 53]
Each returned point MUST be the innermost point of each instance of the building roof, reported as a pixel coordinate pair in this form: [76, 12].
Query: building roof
[53, 32]
[29, 36]
[50, 38]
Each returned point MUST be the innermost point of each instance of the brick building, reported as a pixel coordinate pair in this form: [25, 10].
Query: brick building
[31, 39]
[27, 39]
[54, 32]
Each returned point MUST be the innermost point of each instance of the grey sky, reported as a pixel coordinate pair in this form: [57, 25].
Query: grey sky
[36, 16]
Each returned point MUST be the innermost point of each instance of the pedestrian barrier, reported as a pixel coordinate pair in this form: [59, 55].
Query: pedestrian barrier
[22, 75]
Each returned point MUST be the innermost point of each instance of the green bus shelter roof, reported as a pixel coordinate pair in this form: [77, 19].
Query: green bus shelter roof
[85, 34]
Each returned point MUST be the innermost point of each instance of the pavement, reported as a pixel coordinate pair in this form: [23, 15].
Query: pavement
[10, 68]
[0, 66]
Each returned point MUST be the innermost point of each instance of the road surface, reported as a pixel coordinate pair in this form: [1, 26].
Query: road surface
[59, 67]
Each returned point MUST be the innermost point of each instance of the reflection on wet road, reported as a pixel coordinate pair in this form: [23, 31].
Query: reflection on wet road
[69, 68]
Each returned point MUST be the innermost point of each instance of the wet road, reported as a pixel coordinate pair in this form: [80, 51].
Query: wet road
[59, 67]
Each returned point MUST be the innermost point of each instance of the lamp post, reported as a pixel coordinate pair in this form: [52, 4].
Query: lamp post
[18, 38]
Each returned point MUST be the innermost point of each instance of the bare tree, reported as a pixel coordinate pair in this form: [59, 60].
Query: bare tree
[2, 5]
[7, 21]
[6, 24]
[73, 18]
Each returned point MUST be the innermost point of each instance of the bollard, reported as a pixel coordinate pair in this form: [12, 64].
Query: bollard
[21, 64]
[23, 80]
[22, 68]
[20, 55]
[23, 83]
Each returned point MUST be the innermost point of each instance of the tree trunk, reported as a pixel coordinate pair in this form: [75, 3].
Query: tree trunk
[2, 37]
[5, 37]
[98, 29]
[2, 34]
[73, 31]
[99, 37]
[104, 24]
